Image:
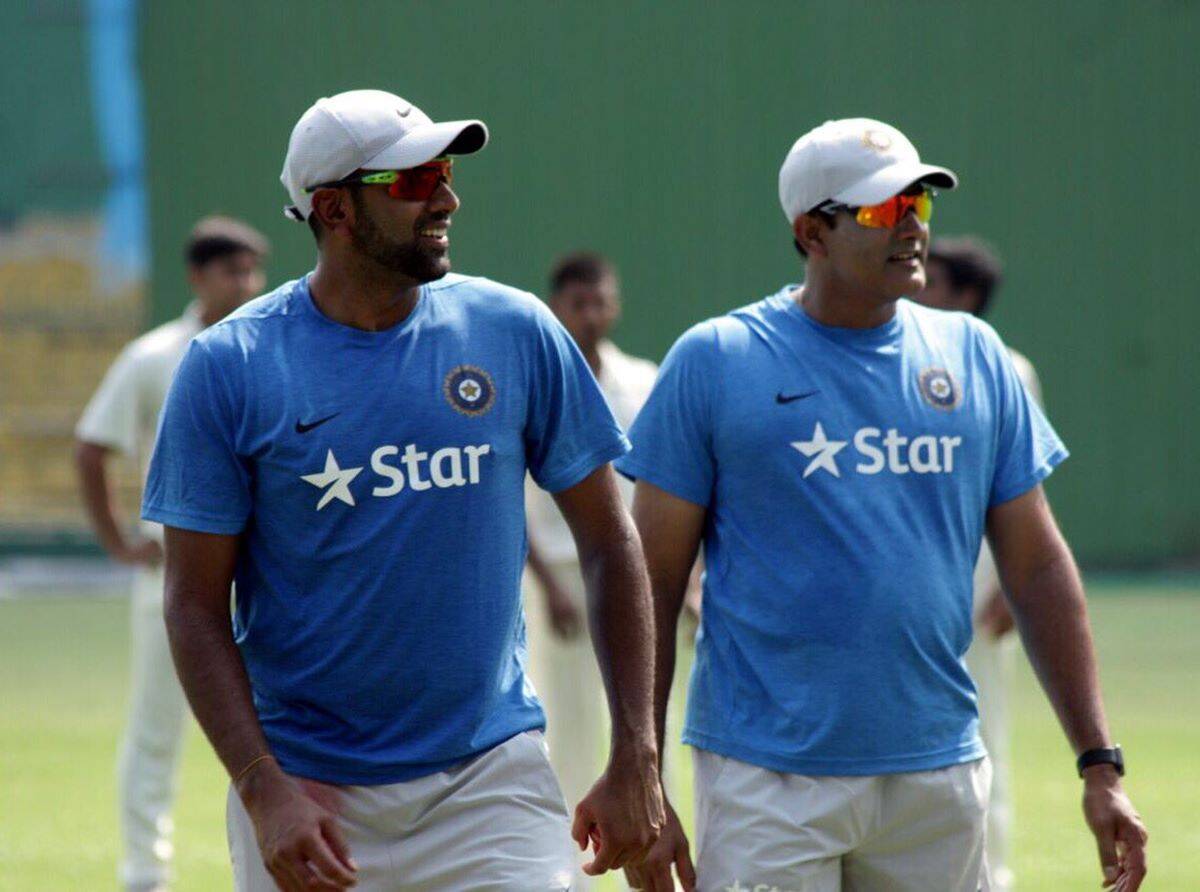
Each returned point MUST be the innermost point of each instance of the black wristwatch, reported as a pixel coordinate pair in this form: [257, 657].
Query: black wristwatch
[1102, 756]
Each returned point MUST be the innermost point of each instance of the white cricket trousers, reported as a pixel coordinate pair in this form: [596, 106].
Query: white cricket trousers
[920, 831]
[496, 823]
[991, 665]
[148, 759]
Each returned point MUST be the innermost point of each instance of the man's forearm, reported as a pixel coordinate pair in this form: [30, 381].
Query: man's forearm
[1051, 613]
[97, 498]
[668, 595]
[214, 678]
[620, 619]
[538, 567]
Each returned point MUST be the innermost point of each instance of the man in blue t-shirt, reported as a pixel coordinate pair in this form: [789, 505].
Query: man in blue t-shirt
[351, 450]
[840, 451]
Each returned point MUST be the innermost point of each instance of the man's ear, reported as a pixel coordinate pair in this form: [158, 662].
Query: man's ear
[333, 208]
[809, 231]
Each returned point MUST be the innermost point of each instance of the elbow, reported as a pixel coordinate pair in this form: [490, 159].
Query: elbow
[82, 453]
[175, 610]
[88, 456]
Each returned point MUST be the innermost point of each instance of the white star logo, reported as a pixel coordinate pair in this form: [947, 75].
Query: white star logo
[339, 477]
[736, 887]
[823, 449]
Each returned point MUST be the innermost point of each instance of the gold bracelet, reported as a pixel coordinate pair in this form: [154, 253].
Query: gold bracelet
[246, 770]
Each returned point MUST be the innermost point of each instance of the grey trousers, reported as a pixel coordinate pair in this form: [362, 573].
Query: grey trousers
[497, 822]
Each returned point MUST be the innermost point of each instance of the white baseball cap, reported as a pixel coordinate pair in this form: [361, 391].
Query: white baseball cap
[368, 129]
[853, 161]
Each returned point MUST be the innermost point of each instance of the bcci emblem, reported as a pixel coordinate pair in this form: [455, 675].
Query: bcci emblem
[469, 390]
[939, 389]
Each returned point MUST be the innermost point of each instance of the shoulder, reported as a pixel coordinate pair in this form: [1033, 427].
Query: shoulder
[632, 366]
[942, 322]
[480, 295]
[240, 330]
[949, 328]
[163, 342]
[729, 335]
[475, 303]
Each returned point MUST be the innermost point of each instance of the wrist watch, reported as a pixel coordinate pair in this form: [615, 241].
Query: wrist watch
[1102, 756]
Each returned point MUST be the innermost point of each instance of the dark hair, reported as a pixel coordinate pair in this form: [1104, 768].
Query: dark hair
[830, 218]
[970, 263]
[215, 237]
[586, 267]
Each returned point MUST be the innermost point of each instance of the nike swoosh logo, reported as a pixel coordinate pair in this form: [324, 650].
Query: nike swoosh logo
[302, 428]
[404, 114]
[791, 398]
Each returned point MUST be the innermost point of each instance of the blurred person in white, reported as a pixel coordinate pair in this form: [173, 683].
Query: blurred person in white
[963, 274]
[584, 293]
[224, 267]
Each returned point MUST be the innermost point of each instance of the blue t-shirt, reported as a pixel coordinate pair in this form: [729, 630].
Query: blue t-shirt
[378, 481]
[846, 475]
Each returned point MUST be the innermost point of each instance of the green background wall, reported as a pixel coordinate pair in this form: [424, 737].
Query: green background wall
[654, 132]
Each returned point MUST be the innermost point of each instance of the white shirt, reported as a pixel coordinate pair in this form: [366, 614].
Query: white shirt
[626, 382]
[123, 412]
[987, 576]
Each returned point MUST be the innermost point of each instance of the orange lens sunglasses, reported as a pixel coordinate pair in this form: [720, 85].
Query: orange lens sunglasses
[888, 213]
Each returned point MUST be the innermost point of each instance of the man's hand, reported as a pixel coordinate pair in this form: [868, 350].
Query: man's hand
[1120, 834]
[566, 620]
[994, 617]
[654, 873]
[295, 822]
[622, 815]
[140, 553]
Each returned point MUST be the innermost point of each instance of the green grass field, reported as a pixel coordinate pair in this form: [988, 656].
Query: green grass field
[62, 701]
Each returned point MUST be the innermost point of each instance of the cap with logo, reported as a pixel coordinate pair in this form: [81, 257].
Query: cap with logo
[371, 130]
[853, 161]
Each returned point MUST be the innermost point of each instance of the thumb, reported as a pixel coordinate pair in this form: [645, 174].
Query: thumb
[684, 868]
[1106, 843]
[581, 825]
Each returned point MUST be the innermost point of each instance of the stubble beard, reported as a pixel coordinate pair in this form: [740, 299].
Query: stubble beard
[405, 257]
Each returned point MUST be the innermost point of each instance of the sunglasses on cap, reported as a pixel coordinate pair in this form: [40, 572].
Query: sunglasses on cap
[888, 213]
[414, 184]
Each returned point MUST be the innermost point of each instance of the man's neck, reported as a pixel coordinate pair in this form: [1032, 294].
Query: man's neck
[830, 302]
[592, 354]
[207, 315]
[362, 295]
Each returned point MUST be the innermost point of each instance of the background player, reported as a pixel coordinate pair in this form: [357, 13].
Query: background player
[963, 274]
[224, 264]
[585, 296]
[353, 448]
[823, 443]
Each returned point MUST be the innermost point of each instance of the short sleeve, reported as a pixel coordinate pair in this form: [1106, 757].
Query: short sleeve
[111, 416]
[197, 480]
[1027, 447]
[672, 435]
[569, 430]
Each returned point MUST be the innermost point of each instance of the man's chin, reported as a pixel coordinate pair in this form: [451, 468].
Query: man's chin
[900, 285]
[430, 269]
[439, 269]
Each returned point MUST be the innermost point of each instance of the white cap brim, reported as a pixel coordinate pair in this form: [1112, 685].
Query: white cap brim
[895, 178]
[431, 141]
